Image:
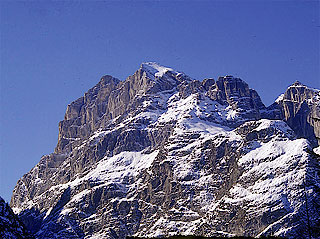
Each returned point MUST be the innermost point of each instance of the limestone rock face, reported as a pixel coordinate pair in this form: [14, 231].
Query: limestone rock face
[237, 94]
[299, 106]
[162, 154]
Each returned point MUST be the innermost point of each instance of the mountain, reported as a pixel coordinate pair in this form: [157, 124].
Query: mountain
[162, 154]
[10, 225]
[299, 107]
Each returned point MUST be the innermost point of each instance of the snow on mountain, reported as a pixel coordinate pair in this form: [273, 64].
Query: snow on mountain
[317, 150]
[280, 98]
[155, 69]
[299, 107]
[10, 226]
[162, 154]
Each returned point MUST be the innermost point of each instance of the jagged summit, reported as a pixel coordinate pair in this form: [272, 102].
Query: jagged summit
[297, 83]
[299, 107]
[162, 154]
[107, 79]
[155, 69]
[229, 77]
[162, 74]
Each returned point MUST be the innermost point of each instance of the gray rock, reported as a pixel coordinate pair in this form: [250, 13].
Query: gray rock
[163, 154]
[299, 106]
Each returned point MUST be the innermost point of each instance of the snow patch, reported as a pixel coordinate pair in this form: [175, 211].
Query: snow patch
[273, 172]
[155, 69]
[120, 166]
[317, 150]
[280, 98]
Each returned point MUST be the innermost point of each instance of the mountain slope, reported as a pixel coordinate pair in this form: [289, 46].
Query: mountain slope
[10, 225]
[162, 154]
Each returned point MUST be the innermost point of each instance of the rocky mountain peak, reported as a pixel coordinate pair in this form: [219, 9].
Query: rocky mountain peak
[108, 79]
[155, 70]
[297, 83]
[299, 107]
[298, 93]
[160, 73]
[232, 91]
[208, 83]
[232, 88]
[162, 154]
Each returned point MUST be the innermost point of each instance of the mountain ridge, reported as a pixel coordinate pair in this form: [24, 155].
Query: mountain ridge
[162, 145]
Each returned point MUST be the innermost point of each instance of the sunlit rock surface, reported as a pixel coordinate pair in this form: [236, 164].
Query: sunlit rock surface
[162, 154]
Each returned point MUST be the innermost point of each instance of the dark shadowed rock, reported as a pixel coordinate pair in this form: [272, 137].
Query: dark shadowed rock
[10, 225]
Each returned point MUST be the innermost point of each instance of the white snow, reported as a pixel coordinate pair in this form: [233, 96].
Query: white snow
[98, 134]
[48, 213]
[279, 125]
[190, 111]
[178, 109]
[124, 164]
[98, 235]
[317, 150]
[265, 123]
[275, 169]
[111, 170]
[156, 69]
[17, 210]
[280, 98]
[231, 114]
[207, 127]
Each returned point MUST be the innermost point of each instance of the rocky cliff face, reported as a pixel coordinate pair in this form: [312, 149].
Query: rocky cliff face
[10, 226]
[162, 154]
[237, 94]
[299, 107]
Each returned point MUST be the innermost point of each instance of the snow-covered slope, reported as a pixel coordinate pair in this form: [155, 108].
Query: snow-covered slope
[162, 154]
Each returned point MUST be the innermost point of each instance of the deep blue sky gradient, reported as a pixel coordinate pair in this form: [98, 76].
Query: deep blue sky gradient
[53, 52]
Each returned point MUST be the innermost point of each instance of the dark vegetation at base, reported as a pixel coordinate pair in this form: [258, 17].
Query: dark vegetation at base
[201, 237]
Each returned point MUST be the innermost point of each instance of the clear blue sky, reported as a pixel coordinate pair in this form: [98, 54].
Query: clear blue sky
[53, 52]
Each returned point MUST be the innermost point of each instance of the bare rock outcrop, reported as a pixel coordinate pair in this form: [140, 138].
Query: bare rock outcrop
[299, 106]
